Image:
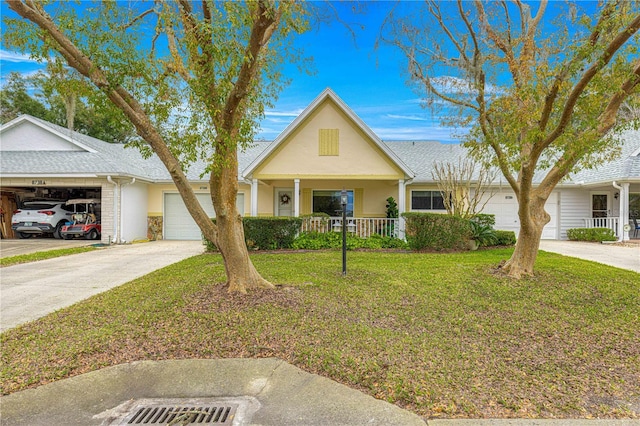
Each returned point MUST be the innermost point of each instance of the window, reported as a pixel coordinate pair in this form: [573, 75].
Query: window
[426, 200]
[634, 205]
[328, 141]
[329, 202]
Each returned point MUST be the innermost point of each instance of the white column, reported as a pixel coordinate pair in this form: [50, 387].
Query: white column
[296, 197]
[254, 197]
[401, 206]
[624, 211]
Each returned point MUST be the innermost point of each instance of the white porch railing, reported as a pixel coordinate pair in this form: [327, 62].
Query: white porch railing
[361, 227]
[602, 222]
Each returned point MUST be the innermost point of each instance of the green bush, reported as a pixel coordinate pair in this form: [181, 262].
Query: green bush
[591, 234]
[505, 238]
[436, 231]
[267, 233]
[484, 234]
[333, 240]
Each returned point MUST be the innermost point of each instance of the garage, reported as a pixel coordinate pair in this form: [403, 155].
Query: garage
[178, 223]
[13, 198]
[504, 206]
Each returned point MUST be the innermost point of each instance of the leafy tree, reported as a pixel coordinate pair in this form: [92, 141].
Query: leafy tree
[15, 100]
[198, 99]
[541, 96]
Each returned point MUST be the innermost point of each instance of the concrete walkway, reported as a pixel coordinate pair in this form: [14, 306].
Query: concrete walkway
[31, 290]
[620, 256]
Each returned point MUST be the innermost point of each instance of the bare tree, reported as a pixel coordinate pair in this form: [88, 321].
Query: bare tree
[465, 186]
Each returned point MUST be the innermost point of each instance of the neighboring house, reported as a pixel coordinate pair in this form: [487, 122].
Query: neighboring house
[326, 149]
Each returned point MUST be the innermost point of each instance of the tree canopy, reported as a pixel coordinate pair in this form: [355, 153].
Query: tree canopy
[539, 87]
[193, 78]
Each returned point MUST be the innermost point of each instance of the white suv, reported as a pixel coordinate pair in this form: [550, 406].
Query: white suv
[41, 217]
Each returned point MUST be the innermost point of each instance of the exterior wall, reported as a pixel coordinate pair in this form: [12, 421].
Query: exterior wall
[298, 156]
[134, 212]
[575, 206]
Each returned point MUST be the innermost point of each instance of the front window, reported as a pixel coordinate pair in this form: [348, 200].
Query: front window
[329, 202]
[427, 200]
[634, 205]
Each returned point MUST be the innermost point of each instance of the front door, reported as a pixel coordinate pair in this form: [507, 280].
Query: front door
[284, 202]
[600, 206]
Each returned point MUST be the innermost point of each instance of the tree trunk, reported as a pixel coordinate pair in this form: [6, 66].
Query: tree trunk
[241, 274]
[533, 218]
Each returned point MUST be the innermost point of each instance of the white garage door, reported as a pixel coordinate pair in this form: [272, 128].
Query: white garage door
[178, 223]
[505, 207]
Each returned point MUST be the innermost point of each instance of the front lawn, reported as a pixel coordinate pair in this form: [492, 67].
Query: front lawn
[438, 334]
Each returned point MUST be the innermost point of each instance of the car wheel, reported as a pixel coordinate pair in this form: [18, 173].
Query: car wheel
[57, 231]
[92, 235]
[66, 237]
[23, 235]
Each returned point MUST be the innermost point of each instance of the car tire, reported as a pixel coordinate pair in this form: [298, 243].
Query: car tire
[66, 237]
[57, 232]
[23, 235]
[92, 235]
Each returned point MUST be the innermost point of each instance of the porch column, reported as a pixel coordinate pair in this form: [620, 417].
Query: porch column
[296, 197]
[401, 206]
[623, 209]
[254, 197]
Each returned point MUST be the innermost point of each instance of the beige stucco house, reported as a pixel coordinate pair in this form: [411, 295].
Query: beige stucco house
[325, 150]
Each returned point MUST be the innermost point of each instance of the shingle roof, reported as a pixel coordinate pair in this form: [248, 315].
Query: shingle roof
[118, 160]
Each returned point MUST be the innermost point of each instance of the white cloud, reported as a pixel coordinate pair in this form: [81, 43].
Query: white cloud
[456, 85]
[293, 113]
[407, 117]
[16, 57]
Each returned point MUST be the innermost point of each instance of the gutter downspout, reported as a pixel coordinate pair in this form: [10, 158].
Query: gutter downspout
[116, 212]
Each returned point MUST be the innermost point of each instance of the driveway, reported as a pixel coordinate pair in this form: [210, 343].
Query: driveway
[32, 290]
[620, 256]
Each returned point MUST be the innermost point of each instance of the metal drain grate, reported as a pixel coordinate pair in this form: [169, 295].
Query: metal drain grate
[183, 414]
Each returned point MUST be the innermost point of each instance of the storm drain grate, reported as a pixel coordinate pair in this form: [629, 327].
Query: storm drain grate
[183, 414]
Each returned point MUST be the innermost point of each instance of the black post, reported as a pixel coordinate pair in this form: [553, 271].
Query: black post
[344, 201]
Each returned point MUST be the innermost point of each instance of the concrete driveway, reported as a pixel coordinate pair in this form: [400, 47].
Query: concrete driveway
[620, 256]
[32, 290]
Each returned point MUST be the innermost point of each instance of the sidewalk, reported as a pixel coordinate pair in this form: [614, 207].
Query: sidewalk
[620, 256]
[267, 392]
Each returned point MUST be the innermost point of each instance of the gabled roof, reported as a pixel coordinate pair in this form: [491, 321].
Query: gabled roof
[327, 94]
[92, 158]
[61, 132]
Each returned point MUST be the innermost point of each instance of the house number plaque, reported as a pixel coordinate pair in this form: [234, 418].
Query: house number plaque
[38, 182]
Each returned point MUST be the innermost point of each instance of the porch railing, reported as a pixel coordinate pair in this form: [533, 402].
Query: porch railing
[361, 227]
[602, 222]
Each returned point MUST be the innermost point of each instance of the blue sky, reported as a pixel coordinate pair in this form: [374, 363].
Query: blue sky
[370, 81]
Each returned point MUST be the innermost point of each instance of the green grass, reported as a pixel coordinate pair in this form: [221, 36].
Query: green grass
[42, 255]
[439, 334]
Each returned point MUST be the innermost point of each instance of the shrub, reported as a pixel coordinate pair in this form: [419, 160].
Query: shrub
[267, 233]
[333, 240]
[505, 238]
[591, 234]
[482, 233]
[436, 231]
[485, 219]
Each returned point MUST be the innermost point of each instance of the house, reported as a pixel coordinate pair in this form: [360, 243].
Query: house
[325, 150]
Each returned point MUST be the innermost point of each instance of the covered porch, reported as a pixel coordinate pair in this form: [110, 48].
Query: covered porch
[616, 207]
[366, 209]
